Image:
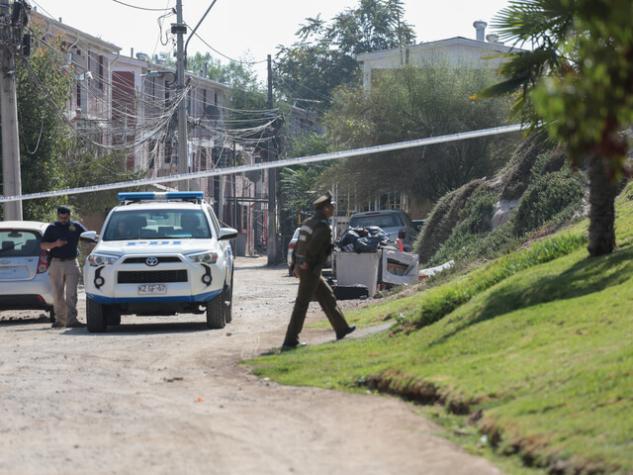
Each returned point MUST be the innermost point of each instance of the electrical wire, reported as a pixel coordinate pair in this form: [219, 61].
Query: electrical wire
[44, 9]
[141, 8]
[233, 60]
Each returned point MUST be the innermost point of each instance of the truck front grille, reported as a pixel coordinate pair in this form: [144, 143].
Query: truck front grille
[161, 260]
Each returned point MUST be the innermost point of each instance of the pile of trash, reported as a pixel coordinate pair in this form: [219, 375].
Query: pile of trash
[361, 240]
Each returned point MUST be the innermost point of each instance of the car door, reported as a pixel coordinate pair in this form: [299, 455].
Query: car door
[225, 246]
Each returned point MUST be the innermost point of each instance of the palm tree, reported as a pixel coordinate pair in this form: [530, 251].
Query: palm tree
[576, 81]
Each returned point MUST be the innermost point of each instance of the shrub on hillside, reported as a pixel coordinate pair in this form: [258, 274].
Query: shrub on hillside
[546, 197]
[442, 220]
[475, 219]
[517, 174]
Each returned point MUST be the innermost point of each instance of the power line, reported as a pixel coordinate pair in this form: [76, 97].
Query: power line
[44, 9]
[249, 63]
[143, 8]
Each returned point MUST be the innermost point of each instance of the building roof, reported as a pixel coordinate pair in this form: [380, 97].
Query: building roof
[38, 17]
[448, 42]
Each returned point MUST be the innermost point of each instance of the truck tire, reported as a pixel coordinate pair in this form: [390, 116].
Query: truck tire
[228, 302]
[112, 316]
[95, 318]
[216, 315]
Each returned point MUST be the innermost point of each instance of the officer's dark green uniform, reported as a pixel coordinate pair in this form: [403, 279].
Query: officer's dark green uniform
[313, 248]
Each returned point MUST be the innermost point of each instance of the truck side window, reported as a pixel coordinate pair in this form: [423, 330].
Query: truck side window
[214, 220]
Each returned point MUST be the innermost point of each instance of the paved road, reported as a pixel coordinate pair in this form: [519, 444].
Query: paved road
[167, 396]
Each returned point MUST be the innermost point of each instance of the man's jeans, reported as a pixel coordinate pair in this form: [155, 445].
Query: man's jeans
[64, 276]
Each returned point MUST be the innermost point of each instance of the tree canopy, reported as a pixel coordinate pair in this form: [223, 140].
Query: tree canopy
[577, 82]
[324, 55]
[408, 104]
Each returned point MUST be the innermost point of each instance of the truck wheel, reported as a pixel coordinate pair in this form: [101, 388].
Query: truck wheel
[112, 316]
[228, 303]
[216, 318]
[95, 318]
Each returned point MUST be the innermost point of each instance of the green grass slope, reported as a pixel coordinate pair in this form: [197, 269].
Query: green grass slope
[536, 347]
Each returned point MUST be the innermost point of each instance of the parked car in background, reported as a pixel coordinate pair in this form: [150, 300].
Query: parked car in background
[24, 283]
[391, 221]
[292, 245]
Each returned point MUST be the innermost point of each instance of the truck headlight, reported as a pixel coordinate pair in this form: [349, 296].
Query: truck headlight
[204, 257]
[96, 260]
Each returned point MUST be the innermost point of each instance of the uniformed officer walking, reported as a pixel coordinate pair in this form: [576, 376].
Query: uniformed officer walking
[313, 248]
[61, 240]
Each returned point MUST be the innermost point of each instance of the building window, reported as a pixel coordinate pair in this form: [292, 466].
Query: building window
[390, 200]
[101, 73]
[168, 151]
[78, 95]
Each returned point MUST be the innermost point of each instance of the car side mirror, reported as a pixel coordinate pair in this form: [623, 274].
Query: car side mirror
[91, 236]
[227, 233]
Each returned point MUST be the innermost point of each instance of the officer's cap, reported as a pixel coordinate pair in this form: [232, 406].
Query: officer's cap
[324, 200]
[63, 210]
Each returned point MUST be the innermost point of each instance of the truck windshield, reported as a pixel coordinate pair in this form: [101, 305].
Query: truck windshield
[157, 224]
[390, 220]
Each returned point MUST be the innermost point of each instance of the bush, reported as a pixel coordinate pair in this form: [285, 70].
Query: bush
[516, 176]
[442, 220]
[475, 218]
[463, 247]
[546, 197]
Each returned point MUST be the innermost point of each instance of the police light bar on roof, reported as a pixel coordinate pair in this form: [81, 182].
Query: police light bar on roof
[168, 196]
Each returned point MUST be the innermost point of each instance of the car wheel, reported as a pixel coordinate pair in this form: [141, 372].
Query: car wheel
[228, 302]
[51, 315]
[112, 316]
[95, 318]
[216, 315]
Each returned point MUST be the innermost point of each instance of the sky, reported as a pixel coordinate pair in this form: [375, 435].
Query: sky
[251, 28]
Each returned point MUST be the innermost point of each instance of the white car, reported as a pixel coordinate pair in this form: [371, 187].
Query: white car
[159, 254]
[24, 283]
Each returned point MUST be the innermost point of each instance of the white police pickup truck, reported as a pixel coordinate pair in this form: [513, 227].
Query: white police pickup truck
[159, 254]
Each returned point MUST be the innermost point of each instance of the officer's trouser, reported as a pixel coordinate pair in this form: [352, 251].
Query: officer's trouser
[312, 284]
[64, 277]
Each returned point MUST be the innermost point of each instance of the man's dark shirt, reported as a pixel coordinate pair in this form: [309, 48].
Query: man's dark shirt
[68, 232]
[315, 242]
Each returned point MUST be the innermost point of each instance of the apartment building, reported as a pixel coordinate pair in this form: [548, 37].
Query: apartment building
[125, 104]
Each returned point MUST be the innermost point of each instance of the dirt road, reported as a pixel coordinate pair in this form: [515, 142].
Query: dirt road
[167, 396]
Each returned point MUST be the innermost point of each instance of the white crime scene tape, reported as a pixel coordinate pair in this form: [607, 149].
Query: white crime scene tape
[357, 152]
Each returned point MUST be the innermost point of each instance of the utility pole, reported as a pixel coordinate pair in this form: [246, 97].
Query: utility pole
[180, 30]
[234, 192]
[12, 21]
[272, 182]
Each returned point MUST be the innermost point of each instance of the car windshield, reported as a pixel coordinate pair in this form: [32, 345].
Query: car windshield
[19, 243]
[157, 224]
[390, 220]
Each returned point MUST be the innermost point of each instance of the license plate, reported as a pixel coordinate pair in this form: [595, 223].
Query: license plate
[152, 289]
